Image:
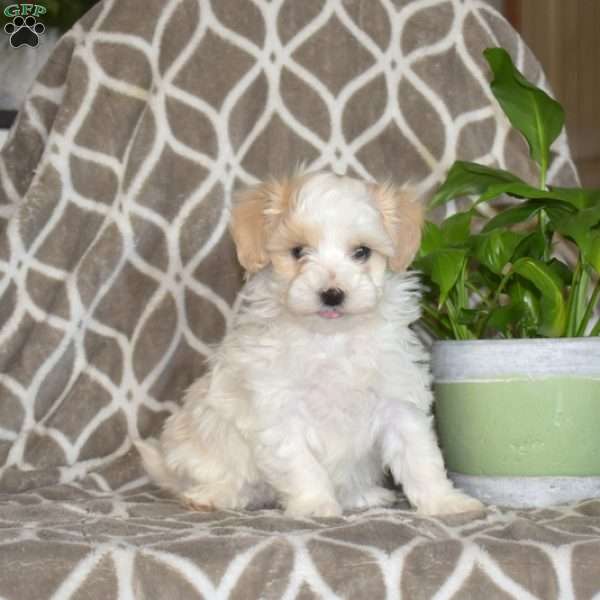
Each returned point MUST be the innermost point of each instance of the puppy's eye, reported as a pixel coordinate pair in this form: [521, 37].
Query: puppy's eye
[361, 254]
[297, 252]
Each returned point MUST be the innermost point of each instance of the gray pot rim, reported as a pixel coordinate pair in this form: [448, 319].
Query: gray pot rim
[468, 360]
[528, 492]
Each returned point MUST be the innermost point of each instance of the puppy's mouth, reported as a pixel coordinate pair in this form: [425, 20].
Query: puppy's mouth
[330, 313]
[332, 300]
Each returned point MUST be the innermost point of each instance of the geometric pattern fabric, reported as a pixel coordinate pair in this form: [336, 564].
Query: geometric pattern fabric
[117, 277]
[117, 271]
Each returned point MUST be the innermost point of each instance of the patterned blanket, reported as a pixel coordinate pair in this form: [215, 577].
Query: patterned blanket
[118, 276]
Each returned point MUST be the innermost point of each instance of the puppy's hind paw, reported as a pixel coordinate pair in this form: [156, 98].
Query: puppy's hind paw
[313, 506]
[192, 504]
[206, 498]
[451, 503]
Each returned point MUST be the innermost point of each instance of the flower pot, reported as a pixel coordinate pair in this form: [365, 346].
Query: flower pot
[519, 420]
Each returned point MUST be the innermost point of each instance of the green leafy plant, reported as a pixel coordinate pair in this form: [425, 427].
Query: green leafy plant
[500, 277]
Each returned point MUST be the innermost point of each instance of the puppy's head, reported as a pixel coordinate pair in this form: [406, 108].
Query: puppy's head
[328, 239]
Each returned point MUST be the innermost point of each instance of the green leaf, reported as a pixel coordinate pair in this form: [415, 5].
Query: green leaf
[484, 279]
[579, 227]
[552, 303]
[524, 295]
[578, 197]
[593, 253]
[456, 229]
[504, 318]
[529, 109]
[469, 316]
[570, 199]
[577, 300]
[562, 270]
[496, 248]
[520, 189]
[431, 239]
[453, 232]
[466, 178]
[512, 215]
[443, 267]
[533, 245]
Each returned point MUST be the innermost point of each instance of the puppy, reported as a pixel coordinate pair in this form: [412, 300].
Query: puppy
[320, 385]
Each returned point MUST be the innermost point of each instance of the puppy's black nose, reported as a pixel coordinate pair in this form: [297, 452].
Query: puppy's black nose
[332, 297]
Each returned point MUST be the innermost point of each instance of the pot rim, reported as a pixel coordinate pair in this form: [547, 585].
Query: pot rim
[476, 360]
[573, 341]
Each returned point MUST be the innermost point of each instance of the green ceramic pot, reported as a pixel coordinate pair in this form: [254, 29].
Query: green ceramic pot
[519, 420]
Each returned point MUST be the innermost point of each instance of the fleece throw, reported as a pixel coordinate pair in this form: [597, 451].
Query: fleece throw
[117, 277]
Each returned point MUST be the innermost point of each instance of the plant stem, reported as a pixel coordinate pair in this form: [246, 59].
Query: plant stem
[485, 299]
[495, 303]
[432, 327]
[461, 292]
[543, 221]
[572, 301]
[589, 310]
[500, 288]
[543, 169]
[432, 318]
[543, 163]
[452, 317]
[482, 324]
[461, 332]
[581, 296]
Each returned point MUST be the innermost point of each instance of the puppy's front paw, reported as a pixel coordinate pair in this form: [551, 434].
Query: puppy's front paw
[313, 506]
[451, 503]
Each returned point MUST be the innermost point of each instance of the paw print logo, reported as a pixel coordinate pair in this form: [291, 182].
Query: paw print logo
[24, 31]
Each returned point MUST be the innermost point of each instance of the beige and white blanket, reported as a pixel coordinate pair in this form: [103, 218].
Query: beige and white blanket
[117, 276]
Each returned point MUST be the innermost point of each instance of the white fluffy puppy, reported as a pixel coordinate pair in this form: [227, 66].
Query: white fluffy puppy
[320, 385]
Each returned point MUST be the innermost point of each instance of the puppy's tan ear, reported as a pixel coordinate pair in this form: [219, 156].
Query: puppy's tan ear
[403, 217]
[247, 226]
[254, 215]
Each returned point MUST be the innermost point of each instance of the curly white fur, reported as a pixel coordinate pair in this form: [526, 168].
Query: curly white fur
[307, 404]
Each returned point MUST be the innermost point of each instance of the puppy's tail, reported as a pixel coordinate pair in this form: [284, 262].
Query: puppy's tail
[154, 462]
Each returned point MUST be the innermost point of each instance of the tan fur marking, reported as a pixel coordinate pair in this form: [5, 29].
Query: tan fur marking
[375, 243]
[256, 213]
[403, 219]
[291, 232]
[191, 505]
[285, 266]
